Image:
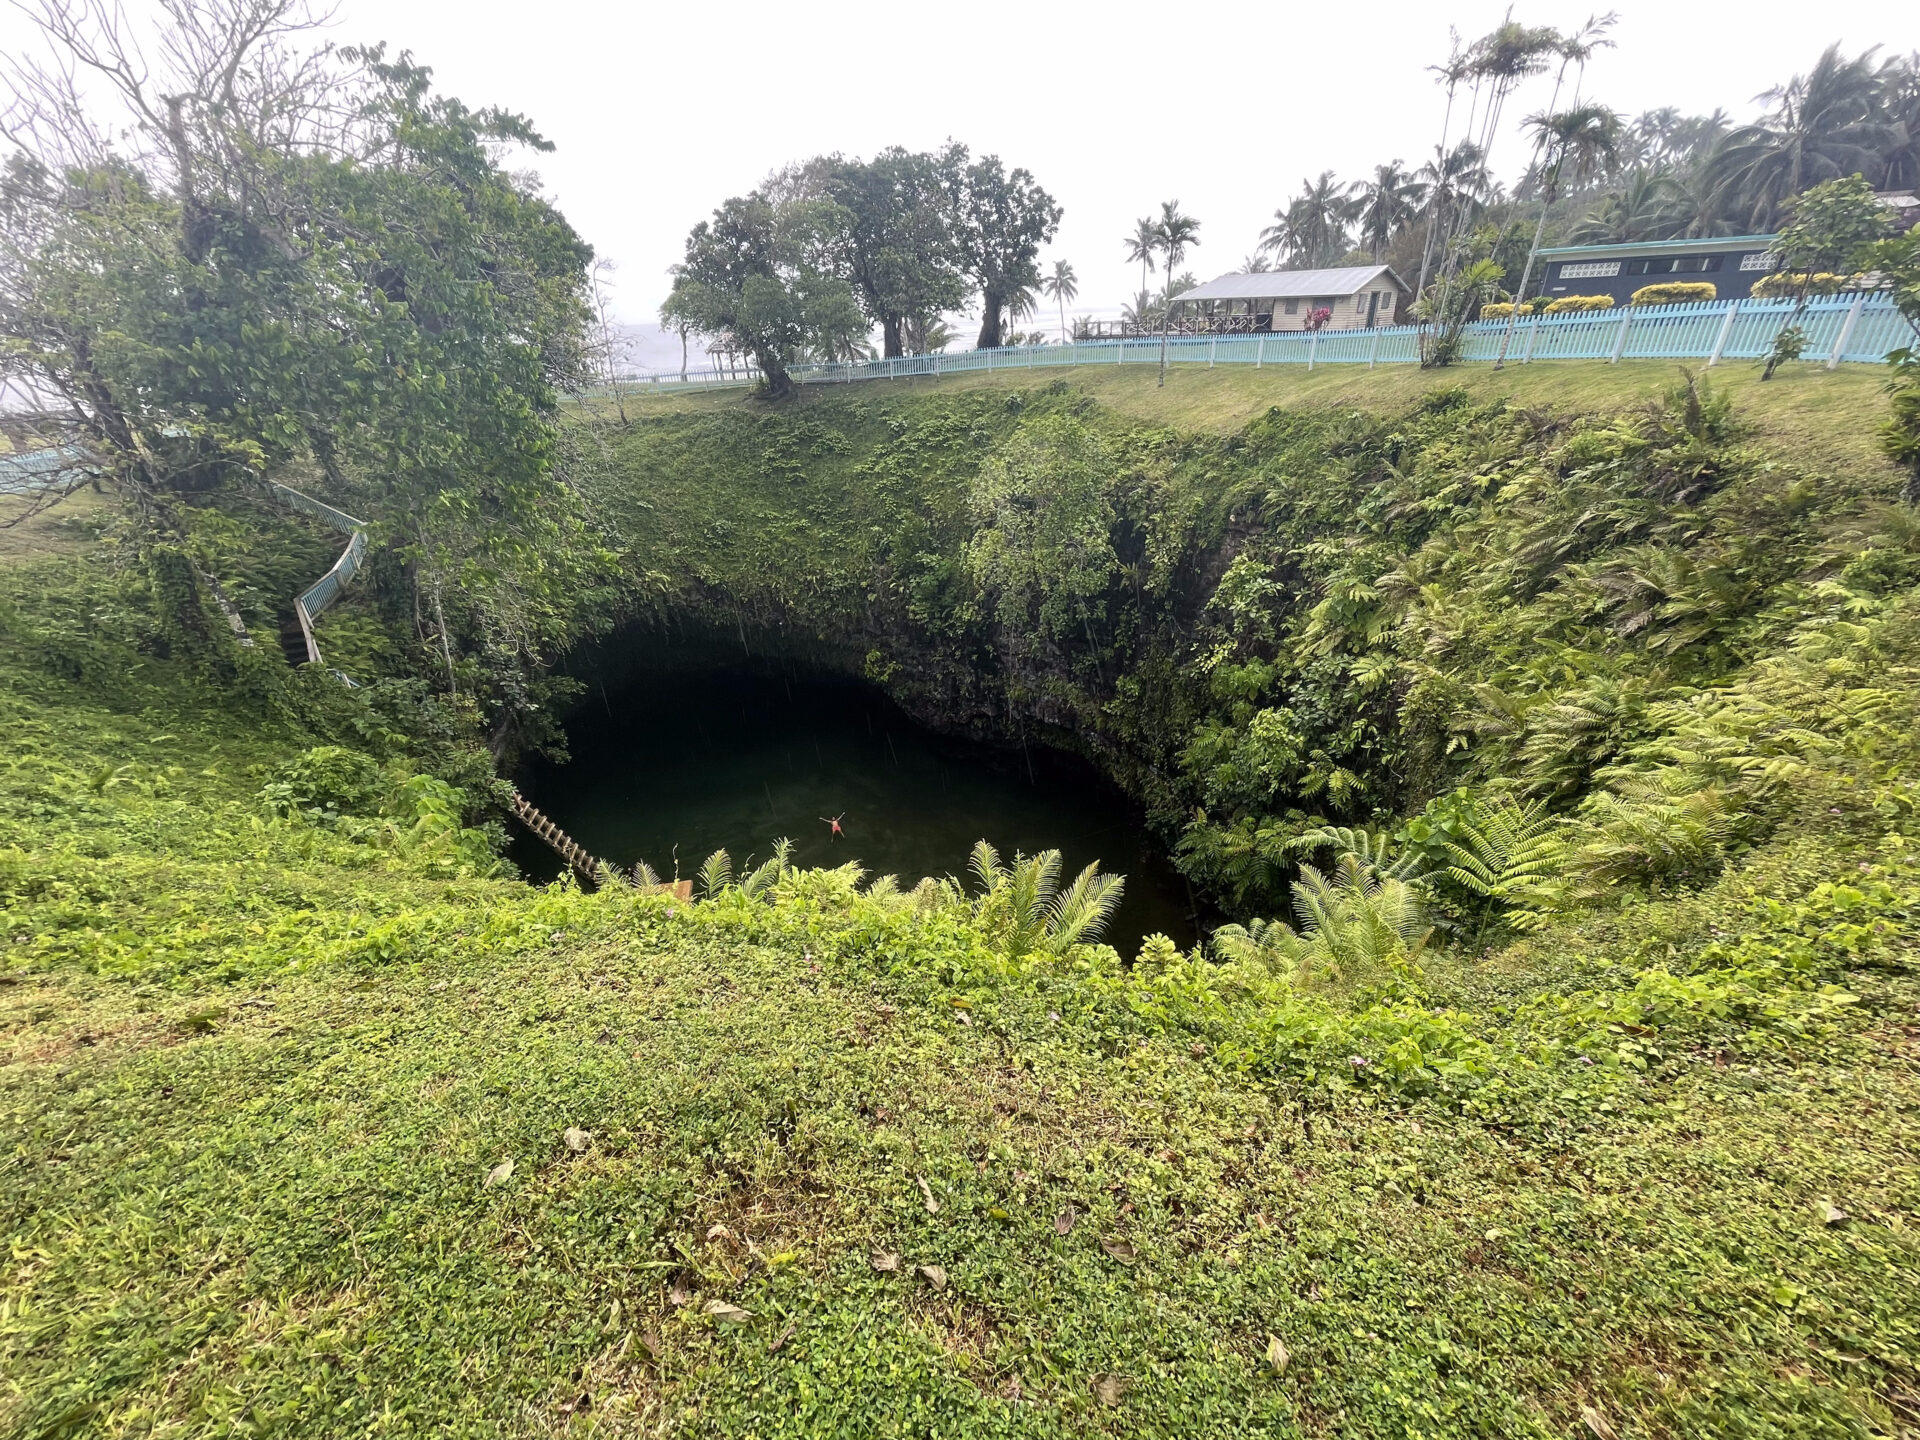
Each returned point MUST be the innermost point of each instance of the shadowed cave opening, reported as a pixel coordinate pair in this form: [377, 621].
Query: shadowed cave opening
[668, 767]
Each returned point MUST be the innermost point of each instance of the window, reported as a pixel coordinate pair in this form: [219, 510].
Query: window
[1760, 260]
[1589, 269]
[1661, 266]
[1293, 307]
[1696, 264]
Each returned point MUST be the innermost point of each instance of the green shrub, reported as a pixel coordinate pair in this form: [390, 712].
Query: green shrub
[1675, 292]
[330, 779]
[1569, 303]
[1785, 284]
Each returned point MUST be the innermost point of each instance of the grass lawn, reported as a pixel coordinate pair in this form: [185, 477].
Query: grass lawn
[1824, 416]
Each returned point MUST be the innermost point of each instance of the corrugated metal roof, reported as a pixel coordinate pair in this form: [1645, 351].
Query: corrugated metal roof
[1641, 247]
[1287, 284]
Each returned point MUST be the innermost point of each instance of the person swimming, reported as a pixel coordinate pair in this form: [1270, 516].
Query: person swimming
[835, 833]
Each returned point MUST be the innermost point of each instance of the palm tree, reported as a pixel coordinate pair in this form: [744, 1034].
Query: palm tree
[1385, 205]
[1823, 125]
[1256, 264]
[1900, 109]
[1062, 285]
[1578, 144]
[1645, 207]
[1313, 227]
[1174, 235]
[1141, 246]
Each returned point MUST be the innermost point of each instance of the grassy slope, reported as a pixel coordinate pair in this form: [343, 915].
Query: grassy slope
[255, 1078]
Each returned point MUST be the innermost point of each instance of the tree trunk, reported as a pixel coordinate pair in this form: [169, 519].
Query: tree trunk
[891, 344]
[779, 384]
[990, 304]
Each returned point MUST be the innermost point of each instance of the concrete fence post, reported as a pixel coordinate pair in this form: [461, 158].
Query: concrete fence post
[1313, 346]
[1620, 340]
[1373, 350]
[1212, 345]
[1720, 340]
[1260, 354]
[1533, 334]
[1846, 332]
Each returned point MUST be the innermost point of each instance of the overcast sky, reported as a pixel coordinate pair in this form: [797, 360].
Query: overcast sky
[661, 111]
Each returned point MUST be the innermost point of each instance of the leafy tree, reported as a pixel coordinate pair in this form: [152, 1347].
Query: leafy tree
[1000, 218]
[1898, 260]
[255, 252]
[1061, 286]
[896, 248]
[1832, 223]
[761, 276]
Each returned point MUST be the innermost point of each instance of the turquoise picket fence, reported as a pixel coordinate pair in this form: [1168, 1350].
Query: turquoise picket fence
[1840, 329]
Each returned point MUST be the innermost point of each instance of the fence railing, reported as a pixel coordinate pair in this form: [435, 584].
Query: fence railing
[313, 601]
[1840, 329]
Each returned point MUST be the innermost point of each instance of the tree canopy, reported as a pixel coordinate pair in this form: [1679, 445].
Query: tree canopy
[277, 253]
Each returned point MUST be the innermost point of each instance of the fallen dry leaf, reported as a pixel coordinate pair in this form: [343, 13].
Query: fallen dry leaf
[576, 1138]
[1111, 1389]
[1597, 1423]
[884, 1260]
[785, 1335]
[1277, 1354]
[1063, 1222]
[725, 1314]
[718, 1232]
[1832, 1214]
[578, 1406]
[1120, 1250]
[935, 1276]
[499, 1175]
[933, 1205]
[679, 1296]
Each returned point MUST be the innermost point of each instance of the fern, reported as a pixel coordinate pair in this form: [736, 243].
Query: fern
[716, 874]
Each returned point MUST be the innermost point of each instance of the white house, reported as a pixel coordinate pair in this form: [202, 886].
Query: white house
[1355, 297]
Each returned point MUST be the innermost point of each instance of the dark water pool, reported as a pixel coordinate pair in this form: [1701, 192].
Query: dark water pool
[680, 767]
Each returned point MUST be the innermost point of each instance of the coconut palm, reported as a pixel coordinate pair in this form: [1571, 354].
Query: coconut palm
[1062, 285]
[1645, 207]
[1823, 125]
[1313, 227]
[1141, 246]
[1578, 144]
[1175, 234]
[1385, 205]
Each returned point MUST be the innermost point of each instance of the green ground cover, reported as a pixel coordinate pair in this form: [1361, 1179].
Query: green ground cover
[820, 1156]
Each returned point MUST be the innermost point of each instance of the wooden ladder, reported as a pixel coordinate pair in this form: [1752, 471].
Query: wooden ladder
[584, 864]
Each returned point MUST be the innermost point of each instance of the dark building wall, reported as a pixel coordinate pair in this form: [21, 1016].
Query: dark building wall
[1655, 267]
